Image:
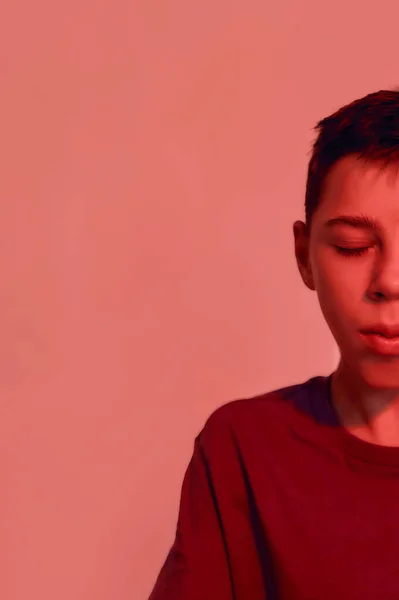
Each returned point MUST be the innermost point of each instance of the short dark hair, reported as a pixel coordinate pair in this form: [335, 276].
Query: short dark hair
[367, 127]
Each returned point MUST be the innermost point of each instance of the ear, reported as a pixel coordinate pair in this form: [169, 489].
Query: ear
[302, 239]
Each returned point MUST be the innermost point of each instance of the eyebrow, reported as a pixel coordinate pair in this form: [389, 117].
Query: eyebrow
[357, 221]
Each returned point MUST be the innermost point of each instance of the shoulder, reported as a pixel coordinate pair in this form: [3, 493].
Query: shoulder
[267, 415]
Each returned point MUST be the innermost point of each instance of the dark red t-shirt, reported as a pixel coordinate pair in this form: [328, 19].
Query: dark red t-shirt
[281, 502]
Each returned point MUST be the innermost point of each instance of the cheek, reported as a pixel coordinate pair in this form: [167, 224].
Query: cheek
[340, 291]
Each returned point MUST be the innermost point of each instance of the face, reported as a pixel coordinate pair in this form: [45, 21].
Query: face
[354, 268]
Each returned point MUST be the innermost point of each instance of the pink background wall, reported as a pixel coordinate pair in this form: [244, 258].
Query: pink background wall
[153, 159]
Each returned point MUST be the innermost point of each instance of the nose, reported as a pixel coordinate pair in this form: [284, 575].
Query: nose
[385, 284]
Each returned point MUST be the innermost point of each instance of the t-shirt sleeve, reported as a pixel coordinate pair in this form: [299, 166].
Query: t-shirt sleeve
[197, 566]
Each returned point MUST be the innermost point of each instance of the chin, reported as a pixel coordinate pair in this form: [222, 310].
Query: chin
[380, 374]
[372, 371]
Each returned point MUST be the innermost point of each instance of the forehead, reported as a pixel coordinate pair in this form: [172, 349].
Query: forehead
[355, 186]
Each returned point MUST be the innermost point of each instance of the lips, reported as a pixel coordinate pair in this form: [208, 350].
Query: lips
[382, 339]
[383, 330]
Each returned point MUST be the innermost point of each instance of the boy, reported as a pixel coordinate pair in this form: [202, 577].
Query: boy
[295, 494]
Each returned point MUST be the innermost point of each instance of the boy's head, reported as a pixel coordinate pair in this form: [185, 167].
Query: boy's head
[353, 261]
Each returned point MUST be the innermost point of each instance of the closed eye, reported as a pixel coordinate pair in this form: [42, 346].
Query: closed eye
[351, 251]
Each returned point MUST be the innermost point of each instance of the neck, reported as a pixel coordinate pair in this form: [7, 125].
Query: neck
[370, 414]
